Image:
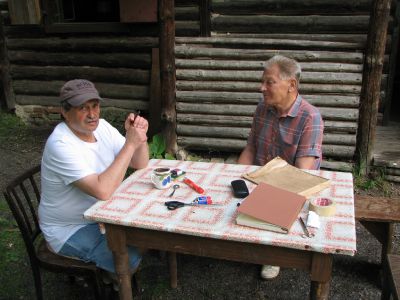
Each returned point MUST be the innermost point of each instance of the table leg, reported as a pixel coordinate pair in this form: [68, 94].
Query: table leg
[321, 272]
[173, 272]
[319, 291]
[116, 240]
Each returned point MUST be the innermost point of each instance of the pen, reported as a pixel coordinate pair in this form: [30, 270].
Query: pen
[136, 115]
[303, 225]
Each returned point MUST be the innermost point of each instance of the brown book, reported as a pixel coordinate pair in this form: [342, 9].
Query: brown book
[271, 208]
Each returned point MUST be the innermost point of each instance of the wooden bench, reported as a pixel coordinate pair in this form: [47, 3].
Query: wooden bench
[391, 277]
[378, 215]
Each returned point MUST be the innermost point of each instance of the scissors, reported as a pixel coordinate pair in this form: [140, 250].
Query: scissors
[172, 205]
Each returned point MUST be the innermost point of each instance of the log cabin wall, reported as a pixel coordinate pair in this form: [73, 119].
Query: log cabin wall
[120, 67]
[218, 77]
[39, 63]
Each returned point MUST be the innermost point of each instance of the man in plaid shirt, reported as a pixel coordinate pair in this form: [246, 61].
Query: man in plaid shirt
[284, 125]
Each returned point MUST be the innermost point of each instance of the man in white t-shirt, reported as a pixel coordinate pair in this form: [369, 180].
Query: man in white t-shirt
[85, 159]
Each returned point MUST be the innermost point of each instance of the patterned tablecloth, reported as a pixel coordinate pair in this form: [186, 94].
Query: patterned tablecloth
[137, 203]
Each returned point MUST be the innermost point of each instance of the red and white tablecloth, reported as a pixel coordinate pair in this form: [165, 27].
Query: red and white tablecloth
[137, 203]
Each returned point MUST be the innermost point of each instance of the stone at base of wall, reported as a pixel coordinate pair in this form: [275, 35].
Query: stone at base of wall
[38, 115]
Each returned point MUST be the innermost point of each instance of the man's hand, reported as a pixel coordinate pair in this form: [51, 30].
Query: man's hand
[136, 129]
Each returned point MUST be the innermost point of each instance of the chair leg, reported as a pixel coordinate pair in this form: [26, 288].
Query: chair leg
[38, 282]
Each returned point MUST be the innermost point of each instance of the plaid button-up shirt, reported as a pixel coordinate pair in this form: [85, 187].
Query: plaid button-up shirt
[297, 134]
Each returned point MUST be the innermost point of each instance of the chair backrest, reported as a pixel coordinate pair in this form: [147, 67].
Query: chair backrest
[23, 196]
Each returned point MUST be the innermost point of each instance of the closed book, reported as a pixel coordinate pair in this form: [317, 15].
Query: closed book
[271, 208]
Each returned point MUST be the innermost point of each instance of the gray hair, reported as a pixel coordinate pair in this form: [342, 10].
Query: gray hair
[65, 105]
[288, 67]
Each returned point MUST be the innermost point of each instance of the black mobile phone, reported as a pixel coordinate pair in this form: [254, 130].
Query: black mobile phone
[239, 188]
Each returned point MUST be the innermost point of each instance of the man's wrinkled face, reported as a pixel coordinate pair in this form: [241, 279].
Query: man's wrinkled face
[83, 119]
[276, 91]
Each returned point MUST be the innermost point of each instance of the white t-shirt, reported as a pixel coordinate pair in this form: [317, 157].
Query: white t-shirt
[66, 158]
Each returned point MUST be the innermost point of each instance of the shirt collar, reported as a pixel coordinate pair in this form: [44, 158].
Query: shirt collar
[294, 110]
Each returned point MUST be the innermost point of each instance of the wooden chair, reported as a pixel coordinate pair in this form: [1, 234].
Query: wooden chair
[23, 197]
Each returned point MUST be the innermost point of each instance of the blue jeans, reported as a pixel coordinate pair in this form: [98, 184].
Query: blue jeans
[89, 245]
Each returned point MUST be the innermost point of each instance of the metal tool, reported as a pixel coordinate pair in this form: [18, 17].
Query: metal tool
[174, 187]
[172, 205]
[306, 232]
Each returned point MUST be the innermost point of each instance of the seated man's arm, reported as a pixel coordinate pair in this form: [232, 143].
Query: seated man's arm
[305, 162]
[247, 156]
[134, 153]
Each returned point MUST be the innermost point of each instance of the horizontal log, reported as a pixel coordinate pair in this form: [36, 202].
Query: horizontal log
[269, 42]
[106, 90]
[131, 104]
[243, 133]
[238, 86]
[259, 65]
[290, 6]
[340, 114]
[187, 13]
[393, 178]
[306, 77]
[254, 98]
[264, 54]
[292, 24]
[338, 37]
[246, 121]
[95, 74]
[187, 28]
[337, 165]
[92, 43]
[116, 60]
[202, 143]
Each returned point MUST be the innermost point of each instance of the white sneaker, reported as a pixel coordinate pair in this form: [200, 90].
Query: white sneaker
[269, 272]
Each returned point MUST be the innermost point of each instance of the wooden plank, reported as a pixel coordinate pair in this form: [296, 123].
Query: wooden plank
[95, 74]
[291, 6]
[187, 28]
[243, 133]
[263, 55]
[259, 65]
[238, 86]
[306, 77]
[187, 13]
[254, 98]
[269, 42]
[223, 144]
[130, 104]
[116, 60]
[368, 208]
[106, 90]
[292, 24]
[246, 121]
[342, 114]
[340, 37]
[96, 44]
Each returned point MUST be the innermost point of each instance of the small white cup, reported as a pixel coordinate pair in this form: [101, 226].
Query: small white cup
[161, 178]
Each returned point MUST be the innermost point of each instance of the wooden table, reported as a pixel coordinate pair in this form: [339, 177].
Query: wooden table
[136, 215]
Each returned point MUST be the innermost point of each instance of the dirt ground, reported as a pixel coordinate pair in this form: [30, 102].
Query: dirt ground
[355, 277]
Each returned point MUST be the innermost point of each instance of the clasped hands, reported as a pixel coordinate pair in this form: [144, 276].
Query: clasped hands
[136, 128]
